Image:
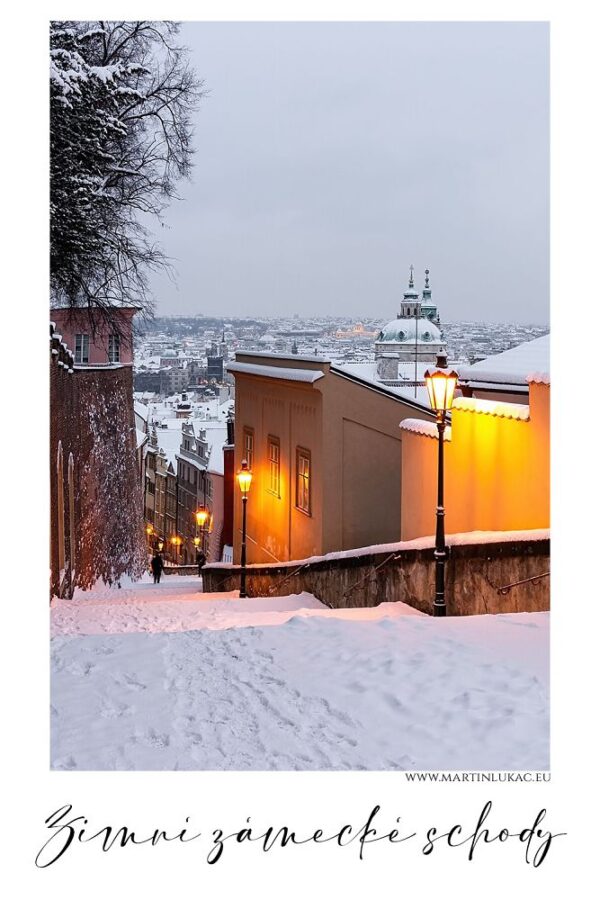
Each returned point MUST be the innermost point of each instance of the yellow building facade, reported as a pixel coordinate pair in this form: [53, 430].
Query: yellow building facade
[324, 448]
[496, 465]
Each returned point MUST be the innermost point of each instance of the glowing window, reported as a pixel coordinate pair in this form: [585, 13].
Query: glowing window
[274, 454]
[303, 478]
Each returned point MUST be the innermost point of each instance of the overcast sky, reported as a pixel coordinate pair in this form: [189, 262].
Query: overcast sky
[331, 156]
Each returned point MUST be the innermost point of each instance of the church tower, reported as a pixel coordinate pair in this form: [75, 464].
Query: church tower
[412, 339]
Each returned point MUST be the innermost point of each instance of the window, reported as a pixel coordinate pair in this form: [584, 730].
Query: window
[248, 453]
[114, 348]
[82, 348]
[274, 467]
[303, 480]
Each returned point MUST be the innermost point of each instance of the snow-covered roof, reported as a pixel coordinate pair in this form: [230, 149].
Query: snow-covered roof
[367, 372]
[493, 408]
[307, 375]
[512, 367]
[140, 409]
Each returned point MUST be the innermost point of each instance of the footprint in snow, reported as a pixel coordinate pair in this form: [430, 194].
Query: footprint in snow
[130, 681]
[395, 703]
[114, 710]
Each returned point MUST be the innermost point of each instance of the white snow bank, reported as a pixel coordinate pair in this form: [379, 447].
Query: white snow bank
[351, 689]
[422, 543]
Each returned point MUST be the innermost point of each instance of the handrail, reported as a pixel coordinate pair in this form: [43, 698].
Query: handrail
[535, 579]
[391, 558]
[290, 575]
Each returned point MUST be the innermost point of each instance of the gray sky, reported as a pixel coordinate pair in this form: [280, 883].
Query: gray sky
[330, 156]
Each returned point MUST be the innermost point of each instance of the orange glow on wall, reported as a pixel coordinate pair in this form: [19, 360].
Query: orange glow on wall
[497, 471]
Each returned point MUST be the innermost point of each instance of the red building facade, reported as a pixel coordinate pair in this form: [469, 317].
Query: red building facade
[96, 517]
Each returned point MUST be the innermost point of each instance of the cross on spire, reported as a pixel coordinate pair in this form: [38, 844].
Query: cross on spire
[411, 282]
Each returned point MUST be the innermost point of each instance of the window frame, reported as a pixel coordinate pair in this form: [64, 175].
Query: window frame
[273, 441]
[304, 453]
[81, 358]
[248, 433]
[112, 339]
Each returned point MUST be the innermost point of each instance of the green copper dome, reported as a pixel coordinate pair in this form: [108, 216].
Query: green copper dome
[401, 331]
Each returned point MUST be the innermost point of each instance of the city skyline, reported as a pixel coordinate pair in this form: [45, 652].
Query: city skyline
[316, 187]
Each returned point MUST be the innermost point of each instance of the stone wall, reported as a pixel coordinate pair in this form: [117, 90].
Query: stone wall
[475, 574]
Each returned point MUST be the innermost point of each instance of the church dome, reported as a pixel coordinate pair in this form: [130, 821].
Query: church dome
[402, 331]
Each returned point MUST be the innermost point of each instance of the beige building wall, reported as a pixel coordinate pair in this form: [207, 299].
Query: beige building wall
[497, 472]
[352, 433]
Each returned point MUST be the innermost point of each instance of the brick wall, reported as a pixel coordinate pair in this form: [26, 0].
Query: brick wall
[91, 417]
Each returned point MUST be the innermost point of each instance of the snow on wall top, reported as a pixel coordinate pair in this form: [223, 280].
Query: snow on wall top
[307, 375]
[423, 543]
[493, 408]
[513, 366]
[539, 378]
[428, 429]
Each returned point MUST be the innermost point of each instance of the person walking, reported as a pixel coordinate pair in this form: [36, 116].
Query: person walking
[157, 566]
[200, 560]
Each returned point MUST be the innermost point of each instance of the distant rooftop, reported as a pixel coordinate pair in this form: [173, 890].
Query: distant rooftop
[513, 366]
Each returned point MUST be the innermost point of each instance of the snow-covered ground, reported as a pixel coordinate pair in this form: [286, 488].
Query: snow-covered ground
[165, 677]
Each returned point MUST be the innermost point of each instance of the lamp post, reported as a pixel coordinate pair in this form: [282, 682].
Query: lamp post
[440, 387]
[244, 477]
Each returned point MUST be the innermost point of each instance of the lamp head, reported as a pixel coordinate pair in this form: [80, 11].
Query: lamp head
[202, 516]
[441, 383]
[244, 477]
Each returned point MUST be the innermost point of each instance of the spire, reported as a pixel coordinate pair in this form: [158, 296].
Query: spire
[411, 282]
[427, 290]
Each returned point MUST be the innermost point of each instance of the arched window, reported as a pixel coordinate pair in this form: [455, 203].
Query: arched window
[60, 507]
[71, 484]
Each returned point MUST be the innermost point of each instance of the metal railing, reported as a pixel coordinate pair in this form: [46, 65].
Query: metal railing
[278, 584]
[391, 558]
[534, 579]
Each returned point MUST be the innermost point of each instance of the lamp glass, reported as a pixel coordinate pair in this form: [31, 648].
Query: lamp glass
[244, 477]
[201, 517]
[440, 387]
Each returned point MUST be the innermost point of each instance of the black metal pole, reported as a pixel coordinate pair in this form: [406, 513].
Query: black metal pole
[243, 560]
[440, 553]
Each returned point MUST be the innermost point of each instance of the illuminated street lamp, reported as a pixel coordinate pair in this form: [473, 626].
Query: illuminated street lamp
[176, 541]
[244, 477]
[202, 520]
[441, 384]
[202, 516]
